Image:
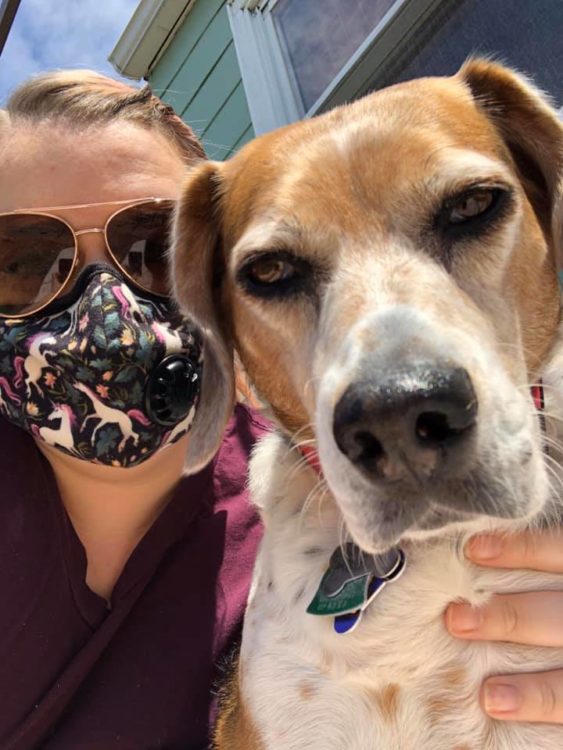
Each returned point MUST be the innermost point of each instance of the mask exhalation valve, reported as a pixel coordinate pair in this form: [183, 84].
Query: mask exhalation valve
[171, 390]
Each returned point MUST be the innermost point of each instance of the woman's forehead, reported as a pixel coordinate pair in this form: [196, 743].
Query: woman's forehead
[50, 165]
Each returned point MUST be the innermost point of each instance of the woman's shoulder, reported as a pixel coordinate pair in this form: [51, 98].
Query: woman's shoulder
[246, 426]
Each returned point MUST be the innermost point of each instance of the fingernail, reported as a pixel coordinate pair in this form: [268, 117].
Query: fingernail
[484, 547]
[499, 697]
[463, 618]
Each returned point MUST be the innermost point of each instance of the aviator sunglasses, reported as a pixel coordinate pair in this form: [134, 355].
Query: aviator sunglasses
[39, 255]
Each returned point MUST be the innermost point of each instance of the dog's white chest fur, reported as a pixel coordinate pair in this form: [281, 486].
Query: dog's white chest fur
[400, 681]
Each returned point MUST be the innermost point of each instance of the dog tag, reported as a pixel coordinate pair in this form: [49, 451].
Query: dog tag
[348, 622]
[350, 597]
[353, 579]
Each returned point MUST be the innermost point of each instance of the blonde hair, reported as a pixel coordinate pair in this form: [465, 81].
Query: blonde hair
[83, 98]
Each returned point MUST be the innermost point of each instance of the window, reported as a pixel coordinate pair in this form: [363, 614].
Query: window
[300, 57]
[318, 39]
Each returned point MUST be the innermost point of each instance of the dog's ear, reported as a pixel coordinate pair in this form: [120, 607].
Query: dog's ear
[197, 270]
[533, 134]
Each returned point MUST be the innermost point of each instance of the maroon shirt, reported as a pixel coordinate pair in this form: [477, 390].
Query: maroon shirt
[75, 675]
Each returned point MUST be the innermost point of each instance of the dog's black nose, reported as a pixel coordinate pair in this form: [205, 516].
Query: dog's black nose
[408, 424]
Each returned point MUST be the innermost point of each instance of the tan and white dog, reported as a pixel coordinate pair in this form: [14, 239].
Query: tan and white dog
[387, 273]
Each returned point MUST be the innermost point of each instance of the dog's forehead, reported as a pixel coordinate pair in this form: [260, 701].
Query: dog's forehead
[375, 146]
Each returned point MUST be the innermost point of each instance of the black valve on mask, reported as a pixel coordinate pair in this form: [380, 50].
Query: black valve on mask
[171, 390]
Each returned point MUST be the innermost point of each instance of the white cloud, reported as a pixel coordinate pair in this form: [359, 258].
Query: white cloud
[50, 34]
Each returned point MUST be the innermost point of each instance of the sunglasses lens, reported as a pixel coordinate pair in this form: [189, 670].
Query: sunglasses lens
[138, 237]
[36, 258]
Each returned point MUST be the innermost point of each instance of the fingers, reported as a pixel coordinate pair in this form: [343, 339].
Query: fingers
[525, 697]
[532, 550]
[533, 619]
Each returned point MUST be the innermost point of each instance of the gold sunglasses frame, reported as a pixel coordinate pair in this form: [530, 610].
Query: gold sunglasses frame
[78, 233]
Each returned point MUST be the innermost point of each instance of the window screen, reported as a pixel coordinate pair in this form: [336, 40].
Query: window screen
[524, 35]
[320, 36]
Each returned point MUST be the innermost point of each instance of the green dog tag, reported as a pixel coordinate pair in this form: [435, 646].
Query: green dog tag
[350, 597]
[353, 579]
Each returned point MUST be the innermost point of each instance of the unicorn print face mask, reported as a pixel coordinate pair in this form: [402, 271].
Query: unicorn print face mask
[104, 374]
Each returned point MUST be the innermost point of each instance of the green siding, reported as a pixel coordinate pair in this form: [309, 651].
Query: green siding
[230, 125]
[199, 76]
[248, 135]
[190, 32]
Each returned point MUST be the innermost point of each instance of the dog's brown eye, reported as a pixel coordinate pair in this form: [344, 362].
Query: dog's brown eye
[472, 212]
[276, 274]
[270, 270]
[470, 206]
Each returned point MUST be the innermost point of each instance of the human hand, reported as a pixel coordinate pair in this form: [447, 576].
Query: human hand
[534, 618]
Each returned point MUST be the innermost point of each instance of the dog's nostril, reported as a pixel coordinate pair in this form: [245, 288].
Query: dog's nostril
[433, 428]
[368, 447]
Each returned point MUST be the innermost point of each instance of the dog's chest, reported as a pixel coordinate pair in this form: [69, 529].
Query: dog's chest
[399, 681]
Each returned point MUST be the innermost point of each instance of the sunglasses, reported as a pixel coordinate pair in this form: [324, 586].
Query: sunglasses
[39, 256]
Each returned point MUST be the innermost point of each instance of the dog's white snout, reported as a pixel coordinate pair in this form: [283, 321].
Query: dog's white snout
[410, 423]
[412, 434]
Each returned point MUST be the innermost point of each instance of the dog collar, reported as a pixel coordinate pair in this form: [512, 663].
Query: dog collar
[539, 402]
[538, 395]
[311, 456]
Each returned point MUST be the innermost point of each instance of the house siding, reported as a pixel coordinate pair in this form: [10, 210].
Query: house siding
[199, 76]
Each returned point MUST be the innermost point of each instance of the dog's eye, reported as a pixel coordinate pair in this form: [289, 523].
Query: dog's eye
[269, 270]
[471, 205]
[275, 274]
[472, 212]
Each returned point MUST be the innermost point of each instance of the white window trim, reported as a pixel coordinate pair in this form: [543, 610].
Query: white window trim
[270, 93]
[270, 87]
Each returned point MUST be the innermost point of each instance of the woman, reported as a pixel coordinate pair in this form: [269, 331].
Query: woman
[122, 580]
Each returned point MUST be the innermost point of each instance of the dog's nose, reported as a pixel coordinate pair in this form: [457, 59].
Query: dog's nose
[408, 424]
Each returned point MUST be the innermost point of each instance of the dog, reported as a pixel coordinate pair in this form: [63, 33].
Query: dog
[387, 273]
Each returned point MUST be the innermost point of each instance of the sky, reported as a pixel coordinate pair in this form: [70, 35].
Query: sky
[49, 34]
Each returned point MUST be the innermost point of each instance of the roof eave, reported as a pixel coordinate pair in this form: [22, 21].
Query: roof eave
[148, 33]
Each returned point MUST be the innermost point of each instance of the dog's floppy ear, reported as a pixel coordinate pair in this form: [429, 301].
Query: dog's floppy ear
[196, 266]
[533, 134]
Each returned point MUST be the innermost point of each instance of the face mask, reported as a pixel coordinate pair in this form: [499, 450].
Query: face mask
[106, 376]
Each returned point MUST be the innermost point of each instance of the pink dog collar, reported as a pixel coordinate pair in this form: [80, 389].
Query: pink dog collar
[312, 457]
[539, 402]
[538, 395]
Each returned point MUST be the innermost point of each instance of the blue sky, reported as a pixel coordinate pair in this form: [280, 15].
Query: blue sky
[50, 34]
